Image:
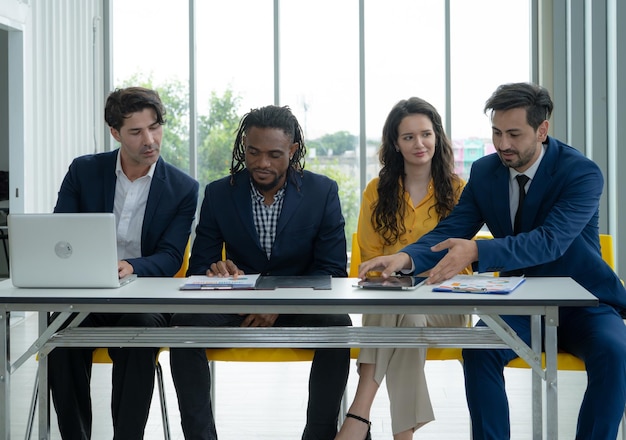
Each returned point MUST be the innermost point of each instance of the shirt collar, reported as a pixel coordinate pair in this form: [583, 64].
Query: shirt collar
[119, 171]
[256, 194]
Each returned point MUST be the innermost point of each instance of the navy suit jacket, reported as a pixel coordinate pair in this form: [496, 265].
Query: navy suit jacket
[89, 186]
[560, 235]
[310, 237]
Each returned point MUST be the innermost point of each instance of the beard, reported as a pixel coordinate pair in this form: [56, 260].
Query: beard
[262, 187]
[522, 159]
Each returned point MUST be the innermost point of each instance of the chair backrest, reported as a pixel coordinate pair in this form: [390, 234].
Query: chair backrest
[355, 257]
[606, 247]
[182, 272]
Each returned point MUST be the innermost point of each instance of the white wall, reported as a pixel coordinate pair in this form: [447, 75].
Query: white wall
[14, 16]
[13, 11]
[62, 91]
[4, 100]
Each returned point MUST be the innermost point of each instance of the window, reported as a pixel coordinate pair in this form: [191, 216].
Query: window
[491, 48]
[319, 73]
[319, 80]
[404, 57]
[150, 49]
[235, 68]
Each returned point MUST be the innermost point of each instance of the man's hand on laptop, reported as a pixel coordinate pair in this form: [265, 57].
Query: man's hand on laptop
[224, 269]
[124, 268]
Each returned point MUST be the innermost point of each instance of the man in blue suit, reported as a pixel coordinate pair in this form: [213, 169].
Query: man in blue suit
[274, 218]
[557, 235]
[154, 205]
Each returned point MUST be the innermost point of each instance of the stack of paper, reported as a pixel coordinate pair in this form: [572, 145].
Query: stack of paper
[202, 282]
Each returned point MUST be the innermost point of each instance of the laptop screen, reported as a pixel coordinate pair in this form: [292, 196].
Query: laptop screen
[63, 250]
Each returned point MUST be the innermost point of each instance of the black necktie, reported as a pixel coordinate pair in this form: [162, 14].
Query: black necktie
[522, 180]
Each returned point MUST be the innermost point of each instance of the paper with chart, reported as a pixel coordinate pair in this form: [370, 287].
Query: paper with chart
[479, 284]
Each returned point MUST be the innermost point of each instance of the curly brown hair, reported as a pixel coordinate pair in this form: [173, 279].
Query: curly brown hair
[389, 210]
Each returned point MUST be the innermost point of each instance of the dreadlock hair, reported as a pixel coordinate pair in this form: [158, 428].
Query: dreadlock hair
[390, 208]
[271, 116]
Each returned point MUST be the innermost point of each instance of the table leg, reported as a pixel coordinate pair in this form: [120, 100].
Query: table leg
[44, 389]
[552, 406]
[5, 376]
[532, 355]
[537, 382]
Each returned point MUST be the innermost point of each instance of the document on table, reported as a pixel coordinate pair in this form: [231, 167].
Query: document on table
[202, 282]
[479, 284]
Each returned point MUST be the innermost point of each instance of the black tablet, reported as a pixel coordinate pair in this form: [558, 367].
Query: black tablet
[399, 282]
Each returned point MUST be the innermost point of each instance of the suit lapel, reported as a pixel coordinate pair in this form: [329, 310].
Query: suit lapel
[243, 203]
[109, 180]
[539, 186]
[156, 189]
[293, 198]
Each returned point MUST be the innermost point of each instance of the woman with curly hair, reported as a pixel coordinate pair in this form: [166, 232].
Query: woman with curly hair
[416, 188]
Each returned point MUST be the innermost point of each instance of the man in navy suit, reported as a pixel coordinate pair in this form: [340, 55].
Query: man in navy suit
[274, 219]
[154, 205]
[557, 236]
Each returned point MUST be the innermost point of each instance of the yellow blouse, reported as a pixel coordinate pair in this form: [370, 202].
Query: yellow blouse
[419, 219]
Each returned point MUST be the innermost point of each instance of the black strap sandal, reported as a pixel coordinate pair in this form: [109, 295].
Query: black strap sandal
[361, 419]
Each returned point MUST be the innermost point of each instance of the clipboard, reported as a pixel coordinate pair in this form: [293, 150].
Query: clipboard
[480, 284]
[202, 282]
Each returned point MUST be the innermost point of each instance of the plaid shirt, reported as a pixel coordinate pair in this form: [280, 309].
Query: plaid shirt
[266, 216]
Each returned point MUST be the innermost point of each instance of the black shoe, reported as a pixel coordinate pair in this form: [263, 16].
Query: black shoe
[368, 436]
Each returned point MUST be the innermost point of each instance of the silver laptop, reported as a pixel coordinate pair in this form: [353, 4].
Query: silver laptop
[64, 250]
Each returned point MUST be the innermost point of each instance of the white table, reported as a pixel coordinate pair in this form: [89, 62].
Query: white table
[537, 297]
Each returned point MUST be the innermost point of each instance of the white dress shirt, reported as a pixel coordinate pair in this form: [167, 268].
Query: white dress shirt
[129, 209]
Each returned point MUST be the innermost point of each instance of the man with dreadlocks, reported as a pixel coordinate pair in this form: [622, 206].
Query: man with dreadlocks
[274, 218]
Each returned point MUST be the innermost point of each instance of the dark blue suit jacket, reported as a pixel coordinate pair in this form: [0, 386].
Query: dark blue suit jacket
[559, 224]
[89, 186]
[310, 237]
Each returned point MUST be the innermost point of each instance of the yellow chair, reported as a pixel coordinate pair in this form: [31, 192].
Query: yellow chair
[241, 354]
[252, 354]
[101, 356]
[355, 257]
[566, 361]
[302, 354]
[182, 272]
[433, 354]
[569, 362]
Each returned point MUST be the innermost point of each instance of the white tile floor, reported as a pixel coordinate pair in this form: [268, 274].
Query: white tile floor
[268, 400]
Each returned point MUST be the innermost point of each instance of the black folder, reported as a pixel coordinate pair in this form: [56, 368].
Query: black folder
[271, 282]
